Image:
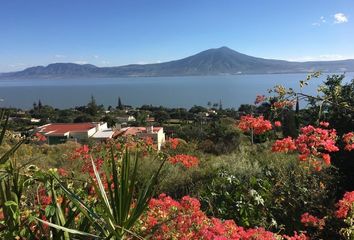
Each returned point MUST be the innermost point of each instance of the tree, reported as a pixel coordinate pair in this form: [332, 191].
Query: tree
[120, 105]
[289, 123]
[209, 104]
[111, 122]
[39, 105]
[247, 108]
[92, 107]
[220, 105]
[161, 116]
[35, 106]
[83, 118]
[197, 109]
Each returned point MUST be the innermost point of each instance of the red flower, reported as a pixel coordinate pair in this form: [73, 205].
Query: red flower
[312, 221]
[277, 123]
[324, 124]
[149, 141]
[173, 142]
[345, 205]
[62, 172]
[312, 144]
[187, 160]
[284, 145]
[256, 124]
[259, 99]
[167, 218]
[326, 158]
[348, 139]
[42, 198]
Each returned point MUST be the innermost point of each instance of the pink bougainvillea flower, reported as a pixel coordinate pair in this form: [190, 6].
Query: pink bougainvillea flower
[259, 99]
[345, 205]
[256, 124]
[311, 221]
[348, 139]
[277, 123]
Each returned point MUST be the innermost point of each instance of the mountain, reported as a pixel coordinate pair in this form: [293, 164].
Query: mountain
[219, 61]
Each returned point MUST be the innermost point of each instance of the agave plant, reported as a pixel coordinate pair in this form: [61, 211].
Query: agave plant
[11, 182]
[119, 206]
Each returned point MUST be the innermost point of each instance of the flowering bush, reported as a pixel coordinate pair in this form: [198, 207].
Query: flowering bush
[345, 210]
[348, 139]
[167, 218]
[257, 125]
[259, 99]
[186, 160]
[254, 125]
[312, 144]
[312, 221]
[284, 145]
[346, 205]
[174, 142]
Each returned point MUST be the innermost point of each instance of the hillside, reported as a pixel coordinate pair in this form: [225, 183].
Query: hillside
[219, 61]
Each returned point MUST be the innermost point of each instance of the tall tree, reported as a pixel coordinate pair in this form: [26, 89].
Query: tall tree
[92, 107]
[209, 104]
[120, 105]
[220, 105]
[39, 105]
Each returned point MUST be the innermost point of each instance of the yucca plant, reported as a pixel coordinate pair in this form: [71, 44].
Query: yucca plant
[11, 182]
[119, 206]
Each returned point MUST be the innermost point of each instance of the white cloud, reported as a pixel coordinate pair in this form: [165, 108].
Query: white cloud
[80, 62]
[340, 18]
[59, 56]
[18, 65]
[104, 62]
[323, 57]
[321, 21]
[148, 62]
[96, 56]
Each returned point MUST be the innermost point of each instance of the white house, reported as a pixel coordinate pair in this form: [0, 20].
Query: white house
[155, 133]
[61, 132]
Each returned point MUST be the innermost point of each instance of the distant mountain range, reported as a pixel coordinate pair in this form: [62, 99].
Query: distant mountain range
[219, 61]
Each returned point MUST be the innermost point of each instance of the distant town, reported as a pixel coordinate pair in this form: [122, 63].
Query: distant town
[94, 122]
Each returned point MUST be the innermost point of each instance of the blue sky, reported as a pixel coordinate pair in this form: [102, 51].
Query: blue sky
[114, 32]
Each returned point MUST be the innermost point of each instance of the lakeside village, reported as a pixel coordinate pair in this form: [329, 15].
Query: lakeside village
[94, 122]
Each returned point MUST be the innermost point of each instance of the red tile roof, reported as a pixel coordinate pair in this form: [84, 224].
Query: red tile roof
[62, 128]
[132, 131]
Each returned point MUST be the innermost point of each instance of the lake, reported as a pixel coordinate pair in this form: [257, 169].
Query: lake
[166, 91]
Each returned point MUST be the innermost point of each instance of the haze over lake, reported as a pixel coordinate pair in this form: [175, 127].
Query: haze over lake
[232, 90]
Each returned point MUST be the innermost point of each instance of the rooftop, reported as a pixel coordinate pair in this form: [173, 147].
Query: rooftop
[132, 131]
[62, 128]
[108, 133]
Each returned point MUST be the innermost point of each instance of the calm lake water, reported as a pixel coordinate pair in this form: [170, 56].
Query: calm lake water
[165, 91]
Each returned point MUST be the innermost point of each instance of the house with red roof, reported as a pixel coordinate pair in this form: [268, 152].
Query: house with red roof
[62, 132]
[155, 133]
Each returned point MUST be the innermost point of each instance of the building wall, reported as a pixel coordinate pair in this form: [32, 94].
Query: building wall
[57, 139]
[79, 135]
[90, 132]
[158, 137]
